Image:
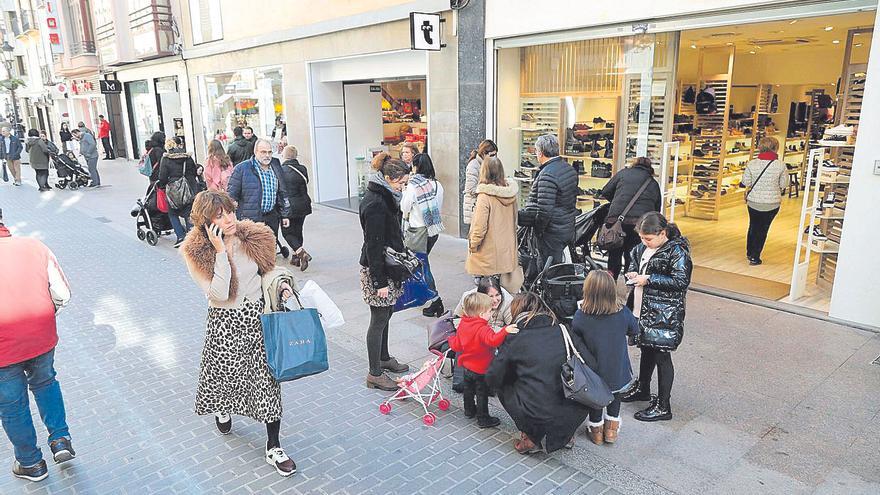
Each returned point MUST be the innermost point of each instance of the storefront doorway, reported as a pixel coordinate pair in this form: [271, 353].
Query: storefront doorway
[154, 105]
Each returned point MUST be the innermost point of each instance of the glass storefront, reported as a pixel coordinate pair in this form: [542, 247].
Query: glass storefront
[247, 97]
[697, 102]
[143, 114]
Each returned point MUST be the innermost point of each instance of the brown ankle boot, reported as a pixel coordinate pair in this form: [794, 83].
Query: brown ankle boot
[304, 259]
[596, 433]
[611, 428]
[382, 382]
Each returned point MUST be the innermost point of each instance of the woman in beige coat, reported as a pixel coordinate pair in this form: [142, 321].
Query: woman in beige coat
[492, 239]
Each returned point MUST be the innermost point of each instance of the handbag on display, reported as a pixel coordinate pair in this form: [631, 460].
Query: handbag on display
[295, 343]
[611, 236]
[579, 382]
[417, 288]
[179, 192]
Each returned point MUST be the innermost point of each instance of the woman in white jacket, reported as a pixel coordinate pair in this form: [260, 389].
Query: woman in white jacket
[765, 177]
[472, 176]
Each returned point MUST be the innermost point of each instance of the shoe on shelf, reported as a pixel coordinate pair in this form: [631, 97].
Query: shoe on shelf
[393, 366]
[818, 234]
[276, 458]
[519, 175]
[435, 310]
[62, 450]
[659, 410]
[37, 472]
[223, 422]
[381, 382]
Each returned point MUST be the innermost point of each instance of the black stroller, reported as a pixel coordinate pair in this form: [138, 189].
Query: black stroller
[71, 174]
[151, 223]
[560, 285]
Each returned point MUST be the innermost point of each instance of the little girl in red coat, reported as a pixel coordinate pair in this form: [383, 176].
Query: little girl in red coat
[474, 344]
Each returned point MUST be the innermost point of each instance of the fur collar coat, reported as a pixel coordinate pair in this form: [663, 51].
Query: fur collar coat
[255, 239]
[492, 238]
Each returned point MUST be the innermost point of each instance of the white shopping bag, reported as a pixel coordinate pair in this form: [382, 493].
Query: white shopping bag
[312, 296]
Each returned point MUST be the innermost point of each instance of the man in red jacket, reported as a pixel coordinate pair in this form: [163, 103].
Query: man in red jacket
[32, 289]
[104, 135]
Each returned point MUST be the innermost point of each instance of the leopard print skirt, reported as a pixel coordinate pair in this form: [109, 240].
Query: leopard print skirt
[234, 377]
[371, 296]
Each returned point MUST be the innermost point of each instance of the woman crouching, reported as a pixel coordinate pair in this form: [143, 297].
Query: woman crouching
[226, 257]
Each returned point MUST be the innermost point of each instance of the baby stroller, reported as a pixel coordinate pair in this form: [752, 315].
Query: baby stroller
[423, 386]
[71, 175]
[562, 285]
[586, 226]
[151, 223]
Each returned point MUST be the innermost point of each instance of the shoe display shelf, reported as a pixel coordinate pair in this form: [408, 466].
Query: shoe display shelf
[710, 152]
[537, 116]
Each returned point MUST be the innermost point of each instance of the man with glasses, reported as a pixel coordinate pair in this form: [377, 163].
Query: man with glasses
[255, 186]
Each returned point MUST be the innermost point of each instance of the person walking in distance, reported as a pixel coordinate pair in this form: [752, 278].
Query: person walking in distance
[421, 203]
[249, 135]
[296, 181]
[10, 152]
[381, 285]
[660, 274]
[218, 167]
[256, 187]
[88, 148]
[554, 192]
[240, 149]
[32, 289]
[765, 176]
[620, 190]
[65, 136]
[604, 326]
[487, 148]
[104, 136]
[227, 258]
[38, 150]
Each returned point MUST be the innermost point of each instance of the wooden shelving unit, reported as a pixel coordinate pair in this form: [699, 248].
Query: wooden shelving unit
[537, 116]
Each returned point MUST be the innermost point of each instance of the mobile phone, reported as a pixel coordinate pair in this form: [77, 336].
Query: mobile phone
[216, 230]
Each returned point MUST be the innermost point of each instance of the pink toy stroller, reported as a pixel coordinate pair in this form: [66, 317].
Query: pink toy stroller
[422, 386]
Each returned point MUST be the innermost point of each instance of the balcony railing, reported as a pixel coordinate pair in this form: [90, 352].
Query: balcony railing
[82, 48]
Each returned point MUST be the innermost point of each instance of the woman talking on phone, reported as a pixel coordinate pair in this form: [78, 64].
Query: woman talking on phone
[226, 258]
[660, 273]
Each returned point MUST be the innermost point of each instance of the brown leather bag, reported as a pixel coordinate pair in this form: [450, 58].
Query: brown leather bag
[611, 236]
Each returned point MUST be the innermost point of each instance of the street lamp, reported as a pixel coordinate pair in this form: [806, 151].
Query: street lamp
[7, 60]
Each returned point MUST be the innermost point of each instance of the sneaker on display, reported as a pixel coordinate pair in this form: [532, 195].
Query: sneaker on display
[818, 234]
[828, 202]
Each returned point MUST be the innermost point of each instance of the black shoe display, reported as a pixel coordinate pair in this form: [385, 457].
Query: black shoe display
[659, 410]
[519, 175]
[609, 150]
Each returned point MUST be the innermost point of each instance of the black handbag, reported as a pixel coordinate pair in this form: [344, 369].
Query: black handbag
[401, 266]
[579, 382]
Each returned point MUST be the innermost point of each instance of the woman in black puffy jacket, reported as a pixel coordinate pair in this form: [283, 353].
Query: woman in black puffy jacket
[660, 273]
[296, 181]
[176, 163]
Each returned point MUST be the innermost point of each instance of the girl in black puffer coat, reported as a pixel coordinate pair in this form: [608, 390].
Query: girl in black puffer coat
[660, 272]
[296, 181]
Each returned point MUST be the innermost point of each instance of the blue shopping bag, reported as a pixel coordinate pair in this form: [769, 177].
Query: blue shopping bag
[295, 344]
[417, 289]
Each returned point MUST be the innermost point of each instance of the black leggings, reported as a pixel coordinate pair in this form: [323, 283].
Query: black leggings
[377, 337]
[293, 233]
[614, 255]
[662, 360]
[273, 429]
[613, 410]
[42, 178]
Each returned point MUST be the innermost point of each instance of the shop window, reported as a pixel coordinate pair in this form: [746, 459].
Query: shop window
[206, 20]
[248, 97]
[21, 66]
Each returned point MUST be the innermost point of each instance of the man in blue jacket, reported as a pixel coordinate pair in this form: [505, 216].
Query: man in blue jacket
[10, 153]
[256, 186]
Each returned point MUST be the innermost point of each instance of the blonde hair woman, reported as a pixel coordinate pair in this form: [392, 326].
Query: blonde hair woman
[177, 163]
[604, 326]
[765, 177]
[226, 257]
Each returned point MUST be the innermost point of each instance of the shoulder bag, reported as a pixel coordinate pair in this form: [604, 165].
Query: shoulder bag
[300, 173]
[746, 195]
[179, 192]
[579, 382]
[612, 236]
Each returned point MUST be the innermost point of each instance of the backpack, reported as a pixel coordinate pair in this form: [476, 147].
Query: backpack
[145, 165]
[179, 192]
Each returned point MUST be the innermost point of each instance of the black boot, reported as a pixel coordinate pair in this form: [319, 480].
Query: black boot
[483, 418]
[470, 406]
[594, 148]
[659, 410]
[435, 310]
[609, 151]
[641, 392]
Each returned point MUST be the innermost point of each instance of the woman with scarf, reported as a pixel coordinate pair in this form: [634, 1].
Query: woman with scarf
[381, 285]
[421, 203]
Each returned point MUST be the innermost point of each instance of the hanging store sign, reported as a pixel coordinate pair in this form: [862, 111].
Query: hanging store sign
[424, 31]
[53, 26]
[109, 87]
[81, 86]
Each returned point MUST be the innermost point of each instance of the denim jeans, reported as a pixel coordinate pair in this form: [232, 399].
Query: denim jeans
[178, 227]
[38, 374]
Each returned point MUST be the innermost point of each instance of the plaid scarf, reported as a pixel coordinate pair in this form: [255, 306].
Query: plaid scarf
[426, 199]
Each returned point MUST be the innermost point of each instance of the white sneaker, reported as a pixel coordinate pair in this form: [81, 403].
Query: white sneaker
[279, 460]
